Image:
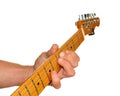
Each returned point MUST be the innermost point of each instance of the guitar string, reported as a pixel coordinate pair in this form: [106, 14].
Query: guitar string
[53, 60]
[63, 48]
[75, 39]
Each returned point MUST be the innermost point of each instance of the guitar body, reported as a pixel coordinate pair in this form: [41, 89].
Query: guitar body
[36, 83]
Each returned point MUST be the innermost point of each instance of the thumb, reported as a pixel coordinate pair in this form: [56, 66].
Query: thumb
[52, 50]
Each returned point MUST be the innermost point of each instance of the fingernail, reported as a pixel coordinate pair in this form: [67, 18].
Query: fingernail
[62, 54]
[67, 51]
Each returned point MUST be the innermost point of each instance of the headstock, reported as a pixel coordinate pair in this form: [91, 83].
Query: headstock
[88, 22]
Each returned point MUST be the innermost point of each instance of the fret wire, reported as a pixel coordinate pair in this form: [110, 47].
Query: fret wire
[32, 91]
[51, 64]
[75, 40]
[46, 72]
[38, 80]
[55, 62]
[56, 56]
[61, 50]
[29, 84]
[19, 93]
[42, 75]
[27, 90]
[31, 87]
[73, 44]
[64, 47]
[35, 86]
[67, 47]
[41, 79]
[78, 38]
[56, 65]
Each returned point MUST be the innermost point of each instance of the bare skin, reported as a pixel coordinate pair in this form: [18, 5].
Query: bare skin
[12, 74]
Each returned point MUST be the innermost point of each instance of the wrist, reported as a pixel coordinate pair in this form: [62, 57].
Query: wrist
[28, 71]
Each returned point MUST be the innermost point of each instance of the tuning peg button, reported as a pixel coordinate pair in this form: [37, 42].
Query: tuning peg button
[82, 17]
[79, 17]
[88, 16]
[85, 16]
[94, 14]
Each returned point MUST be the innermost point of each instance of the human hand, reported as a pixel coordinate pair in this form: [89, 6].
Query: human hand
[45, 55]
[68, 61]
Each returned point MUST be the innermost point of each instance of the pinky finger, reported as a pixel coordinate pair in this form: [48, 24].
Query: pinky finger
[55, 80]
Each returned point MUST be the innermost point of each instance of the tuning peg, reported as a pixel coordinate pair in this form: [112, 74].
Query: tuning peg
[85, 16]
[88, 15]
[79, 17]
[82, 17]
[94, 14]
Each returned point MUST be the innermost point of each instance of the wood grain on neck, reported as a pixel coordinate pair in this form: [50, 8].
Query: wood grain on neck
[35, 84]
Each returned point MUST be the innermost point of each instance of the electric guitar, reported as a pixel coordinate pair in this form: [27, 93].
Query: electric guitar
[37, 82]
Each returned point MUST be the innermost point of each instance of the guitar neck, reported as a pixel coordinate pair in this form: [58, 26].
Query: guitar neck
[35, 84]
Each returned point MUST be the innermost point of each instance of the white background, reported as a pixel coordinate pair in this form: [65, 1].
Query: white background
[29, 27]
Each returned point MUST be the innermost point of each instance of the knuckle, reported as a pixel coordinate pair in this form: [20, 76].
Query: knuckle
[43, 54]
[75, 65]
[72, 73]
[78, 58]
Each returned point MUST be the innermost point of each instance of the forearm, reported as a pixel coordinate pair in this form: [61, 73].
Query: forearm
[12, 74]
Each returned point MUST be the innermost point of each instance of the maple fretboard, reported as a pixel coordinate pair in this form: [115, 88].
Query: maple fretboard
[35, 84]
